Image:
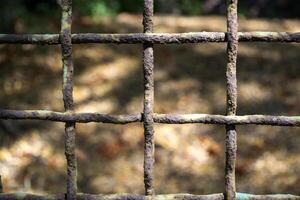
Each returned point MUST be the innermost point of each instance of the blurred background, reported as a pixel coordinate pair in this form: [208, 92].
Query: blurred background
[189, 78]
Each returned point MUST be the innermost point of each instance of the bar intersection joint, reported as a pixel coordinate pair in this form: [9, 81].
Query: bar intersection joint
[231, 80]
[148, 69]
[155, 38]
[67, 90]
[269, 120]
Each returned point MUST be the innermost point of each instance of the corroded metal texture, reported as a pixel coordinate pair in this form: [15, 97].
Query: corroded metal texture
[69, 116]
[231, 82]
[148, 69]
[229, 120]
[67, 90]
[157, 118]
[1, 186]
[240, 196]
[155, 38]
[148, 117]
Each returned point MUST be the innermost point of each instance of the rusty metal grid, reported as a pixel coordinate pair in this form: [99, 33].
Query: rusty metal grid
[148, 117]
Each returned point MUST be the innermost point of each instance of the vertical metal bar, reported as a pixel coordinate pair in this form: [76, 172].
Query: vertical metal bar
[1, 185]
[148, 66]
[66, 46]
[230, 141]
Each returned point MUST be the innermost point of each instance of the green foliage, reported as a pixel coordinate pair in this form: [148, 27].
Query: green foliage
[30, 12]
[191, 7]
[106, 7]
[96, 7]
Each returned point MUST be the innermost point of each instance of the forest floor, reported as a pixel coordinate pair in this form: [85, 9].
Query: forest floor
[189, 78]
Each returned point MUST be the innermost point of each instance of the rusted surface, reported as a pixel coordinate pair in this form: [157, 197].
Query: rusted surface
[66, 47]
[229, 120]
[155, 38]
[148, 117]
[240, 196]
[268, 37]
[157, 118]
[69, 117]
[148, 69]
[1, 186]
[24, 196]
[231, 80]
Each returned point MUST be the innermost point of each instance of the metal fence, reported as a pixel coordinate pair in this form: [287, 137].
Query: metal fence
[148, 117]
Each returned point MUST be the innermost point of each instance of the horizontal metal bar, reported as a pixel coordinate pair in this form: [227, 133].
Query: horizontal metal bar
[69, 116]
[158, 118]
[157, 38]
[223, 119]
[220, 196]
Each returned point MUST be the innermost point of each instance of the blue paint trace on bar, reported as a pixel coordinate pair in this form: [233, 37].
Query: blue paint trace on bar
[246, 196]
